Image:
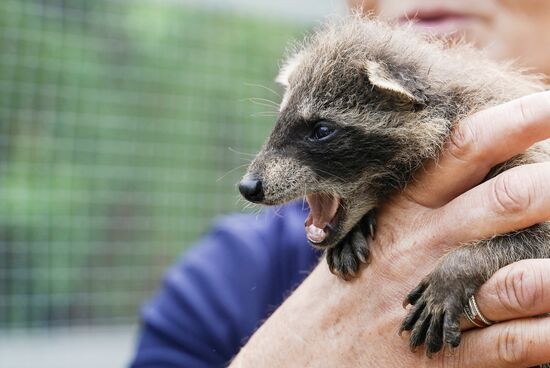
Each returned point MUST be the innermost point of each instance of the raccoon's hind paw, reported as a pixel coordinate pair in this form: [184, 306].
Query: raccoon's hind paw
[434, 316]
[346, 257]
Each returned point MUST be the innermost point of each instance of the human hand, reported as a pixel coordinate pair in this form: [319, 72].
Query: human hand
[329, 322]
[512, 296]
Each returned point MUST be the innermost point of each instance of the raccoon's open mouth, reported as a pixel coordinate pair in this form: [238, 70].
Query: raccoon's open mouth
[323, 222]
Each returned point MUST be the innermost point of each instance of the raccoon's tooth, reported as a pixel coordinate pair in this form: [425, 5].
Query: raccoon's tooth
[315, 234]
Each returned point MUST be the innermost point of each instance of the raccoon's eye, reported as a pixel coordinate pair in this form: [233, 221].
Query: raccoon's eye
[321, 131]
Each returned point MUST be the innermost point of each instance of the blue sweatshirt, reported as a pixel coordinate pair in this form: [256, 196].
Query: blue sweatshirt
[218, 294]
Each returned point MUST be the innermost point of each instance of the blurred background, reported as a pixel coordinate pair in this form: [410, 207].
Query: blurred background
[121, 130]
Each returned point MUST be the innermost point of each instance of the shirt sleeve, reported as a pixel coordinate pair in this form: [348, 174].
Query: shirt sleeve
[214, 298]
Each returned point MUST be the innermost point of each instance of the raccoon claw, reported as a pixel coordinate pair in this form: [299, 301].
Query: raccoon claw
[346, 257]
[368, 224]
[434, 317]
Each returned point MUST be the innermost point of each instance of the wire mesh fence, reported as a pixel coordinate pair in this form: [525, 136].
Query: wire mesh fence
[119, 127]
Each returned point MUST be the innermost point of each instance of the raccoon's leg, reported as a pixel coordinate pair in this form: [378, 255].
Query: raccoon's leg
[346, 257]
[438, 301]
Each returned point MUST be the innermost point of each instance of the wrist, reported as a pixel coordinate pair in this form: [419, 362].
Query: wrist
[300, 323]
[327, 321]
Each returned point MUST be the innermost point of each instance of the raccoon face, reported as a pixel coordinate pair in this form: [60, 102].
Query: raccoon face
[338, 141]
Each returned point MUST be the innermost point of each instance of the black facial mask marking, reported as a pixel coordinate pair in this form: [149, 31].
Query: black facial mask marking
[347, 154]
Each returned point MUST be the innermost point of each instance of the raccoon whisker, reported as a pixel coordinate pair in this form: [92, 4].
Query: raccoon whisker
[276, 211]
[241, 153]
[258, 212]
[232, 170]
[248, 205]
[264, 87]
[264, 102]
[245, 159]
[241, 202]
[264, 114]
[270, 104]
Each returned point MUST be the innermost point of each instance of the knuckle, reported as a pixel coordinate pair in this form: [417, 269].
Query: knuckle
[517, 290]
[523, 112]
[529, 108]
[511, 349]
[510, 194]
[462, 141]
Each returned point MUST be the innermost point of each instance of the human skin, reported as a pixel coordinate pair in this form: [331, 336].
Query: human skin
[328, 322]
[505, 29]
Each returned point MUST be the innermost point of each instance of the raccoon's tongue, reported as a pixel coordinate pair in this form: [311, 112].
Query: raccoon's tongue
[323, 208]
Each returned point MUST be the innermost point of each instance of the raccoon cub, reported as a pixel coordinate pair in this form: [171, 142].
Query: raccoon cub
[365, 105]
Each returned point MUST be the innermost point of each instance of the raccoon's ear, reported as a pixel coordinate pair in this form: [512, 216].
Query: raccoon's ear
[382, 80]
[286, 70]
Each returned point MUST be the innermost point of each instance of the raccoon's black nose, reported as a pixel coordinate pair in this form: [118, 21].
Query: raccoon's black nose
[251, 189]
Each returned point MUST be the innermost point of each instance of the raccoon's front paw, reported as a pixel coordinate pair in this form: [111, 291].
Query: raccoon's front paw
[437, 303]
[346, 257]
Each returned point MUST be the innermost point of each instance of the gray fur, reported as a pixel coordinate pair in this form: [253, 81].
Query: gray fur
[394, 98]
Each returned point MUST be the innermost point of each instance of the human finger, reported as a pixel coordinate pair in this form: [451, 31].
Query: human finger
[518, 290]
[478, 143]
[518, 343]
[513, 200]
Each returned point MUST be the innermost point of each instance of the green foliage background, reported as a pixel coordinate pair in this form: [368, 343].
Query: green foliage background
[116, 123]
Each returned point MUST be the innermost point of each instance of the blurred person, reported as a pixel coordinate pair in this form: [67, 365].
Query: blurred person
[221, 292]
